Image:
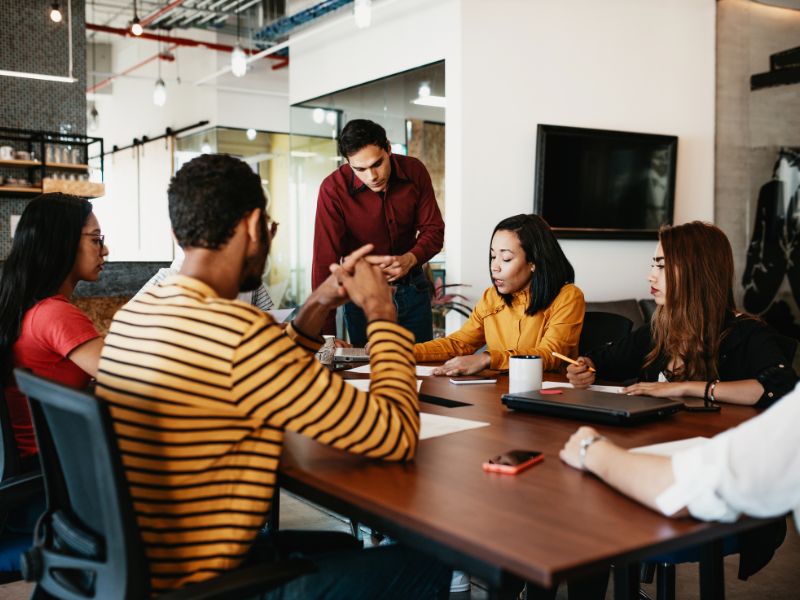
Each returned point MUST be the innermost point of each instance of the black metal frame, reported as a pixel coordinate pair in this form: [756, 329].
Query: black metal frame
[36, 141]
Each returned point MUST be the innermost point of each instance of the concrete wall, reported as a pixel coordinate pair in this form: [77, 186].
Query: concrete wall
[751, 125]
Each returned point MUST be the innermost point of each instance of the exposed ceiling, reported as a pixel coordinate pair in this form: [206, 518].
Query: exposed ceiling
[219, 15]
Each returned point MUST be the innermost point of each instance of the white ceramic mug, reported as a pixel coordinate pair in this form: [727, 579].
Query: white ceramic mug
[524, 374]
[6, 152]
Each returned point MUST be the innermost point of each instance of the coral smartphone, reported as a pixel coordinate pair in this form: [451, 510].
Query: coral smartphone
[513, 461]
[466, 379]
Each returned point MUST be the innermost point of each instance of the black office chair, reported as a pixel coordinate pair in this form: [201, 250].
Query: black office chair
[600, 328]
[87, 544]
[17, 490]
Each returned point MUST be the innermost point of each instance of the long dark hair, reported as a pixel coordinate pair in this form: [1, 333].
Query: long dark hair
[553, 270]
[42, 256]
[689, 327]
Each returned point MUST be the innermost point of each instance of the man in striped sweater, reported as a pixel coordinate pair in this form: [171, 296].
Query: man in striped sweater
[202, 387]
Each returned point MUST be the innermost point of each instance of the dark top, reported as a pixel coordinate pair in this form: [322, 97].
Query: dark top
[404, 218]
[749, 350]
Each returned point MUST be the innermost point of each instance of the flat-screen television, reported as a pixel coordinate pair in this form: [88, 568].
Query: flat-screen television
[593, 183]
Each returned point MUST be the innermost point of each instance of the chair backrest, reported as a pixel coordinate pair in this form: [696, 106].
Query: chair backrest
[9, 459]
[600, 328]
[87, 545]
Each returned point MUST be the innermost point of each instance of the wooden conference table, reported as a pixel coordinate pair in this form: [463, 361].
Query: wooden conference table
[544, 525]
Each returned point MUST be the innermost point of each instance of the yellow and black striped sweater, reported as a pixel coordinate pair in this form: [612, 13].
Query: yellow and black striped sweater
[201, 390]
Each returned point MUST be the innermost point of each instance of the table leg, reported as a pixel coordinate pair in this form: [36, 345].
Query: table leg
[626, 581]
[712, 573]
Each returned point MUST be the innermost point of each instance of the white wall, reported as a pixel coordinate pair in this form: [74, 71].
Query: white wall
[639, 66]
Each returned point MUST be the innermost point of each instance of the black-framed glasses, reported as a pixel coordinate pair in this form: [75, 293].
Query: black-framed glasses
[97, 240]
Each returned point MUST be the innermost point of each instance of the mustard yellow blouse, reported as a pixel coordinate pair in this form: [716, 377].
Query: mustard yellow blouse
[507, 330]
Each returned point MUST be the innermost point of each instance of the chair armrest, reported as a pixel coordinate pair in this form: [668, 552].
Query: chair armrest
[243, 582]
[16, 490]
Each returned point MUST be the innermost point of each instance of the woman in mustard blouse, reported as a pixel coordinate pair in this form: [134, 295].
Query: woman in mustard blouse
[532, 307]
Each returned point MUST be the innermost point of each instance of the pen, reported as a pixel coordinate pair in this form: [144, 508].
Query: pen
[569, 360]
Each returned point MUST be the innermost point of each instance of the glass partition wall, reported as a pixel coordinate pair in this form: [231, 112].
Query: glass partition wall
[291, 168]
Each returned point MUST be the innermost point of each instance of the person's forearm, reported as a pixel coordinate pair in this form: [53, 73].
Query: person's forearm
[312, 316]
[744, 391]
[643, 477]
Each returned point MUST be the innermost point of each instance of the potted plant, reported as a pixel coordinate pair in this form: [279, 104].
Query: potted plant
[443, 302]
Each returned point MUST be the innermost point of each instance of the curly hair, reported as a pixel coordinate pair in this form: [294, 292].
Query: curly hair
[360, 133]
[208, 196]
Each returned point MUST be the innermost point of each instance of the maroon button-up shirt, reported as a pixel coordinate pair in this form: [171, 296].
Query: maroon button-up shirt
[404, 218]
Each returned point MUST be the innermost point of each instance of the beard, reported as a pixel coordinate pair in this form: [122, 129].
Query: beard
[254, 265]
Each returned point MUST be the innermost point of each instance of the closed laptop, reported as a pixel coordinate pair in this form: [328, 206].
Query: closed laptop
[591, 405]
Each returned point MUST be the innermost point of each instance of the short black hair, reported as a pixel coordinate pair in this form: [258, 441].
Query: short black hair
[208, 196]
[360, 133]
[553, 270]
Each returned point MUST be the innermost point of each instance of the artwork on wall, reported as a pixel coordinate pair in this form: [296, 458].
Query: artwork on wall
[771, 278]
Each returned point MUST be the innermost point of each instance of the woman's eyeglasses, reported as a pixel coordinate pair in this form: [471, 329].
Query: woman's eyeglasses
[97, 240]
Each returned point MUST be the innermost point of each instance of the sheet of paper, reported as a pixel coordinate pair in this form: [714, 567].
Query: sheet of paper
[609, 389]
[436, 425]
[670, 448]
[280, 314]
[422, 370]
[363, 384]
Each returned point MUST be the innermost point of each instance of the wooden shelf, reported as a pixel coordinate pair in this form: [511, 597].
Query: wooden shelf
[20, 163]
[20, 189]
[72, 166]
[85, 189]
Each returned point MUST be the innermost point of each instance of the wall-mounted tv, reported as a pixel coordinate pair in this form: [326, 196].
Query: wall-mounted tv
[593, 183]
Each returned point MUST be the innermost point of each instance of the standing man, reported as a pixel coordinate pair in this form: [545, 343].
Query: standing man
[386, 200]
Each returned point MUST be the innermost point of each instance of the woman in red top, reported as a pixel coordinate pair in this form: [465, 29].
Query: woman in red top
[57, 244]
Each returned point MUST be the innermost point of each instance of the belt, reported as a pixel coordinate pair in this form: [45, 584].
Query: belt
[409, 277]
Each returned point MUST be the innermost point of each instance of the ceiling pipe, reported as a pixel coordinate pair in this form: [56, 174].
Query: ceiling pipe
[139, 65]
[161, 12]
[179, 41]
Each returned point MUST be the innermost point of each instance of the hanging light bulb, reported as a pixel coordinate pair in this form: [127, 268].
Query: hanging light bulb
[424, 89]
[362, 11]
[136, 26]
[55, 13]
[318, 115]
[160, 93]
[238, 61]
[251, 134]
[205, 147]
[94, 119]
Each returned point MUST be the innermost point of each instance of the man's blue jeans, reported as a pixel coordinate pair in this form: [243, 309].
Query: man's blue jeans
[413, 303]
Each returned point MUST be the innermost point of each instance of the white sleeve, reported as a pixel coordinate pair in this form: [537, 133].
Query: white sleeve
[160, 276]
[752, 469]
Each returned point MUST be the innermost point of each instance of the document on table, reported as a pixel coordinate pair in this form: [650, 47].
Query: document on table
[422, 370]
[363, 384]
[609, 389]
[280, 314]
[670, 448]
[436, 425]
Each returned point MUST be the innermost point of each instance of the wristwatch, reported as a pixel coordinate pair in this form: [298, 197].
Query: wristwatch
[585, 443]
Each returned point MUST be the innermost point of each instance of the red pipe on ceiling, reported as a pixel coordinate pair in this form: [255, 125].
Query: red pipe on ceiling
[108, 80]
[179, 41]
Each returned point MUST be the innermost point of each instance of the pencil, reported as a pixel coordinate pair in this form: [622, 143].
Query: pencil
[569, 360]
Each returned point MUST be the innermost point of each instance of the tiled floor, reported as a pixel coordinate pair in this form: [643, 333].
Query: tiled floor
[777, 581]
